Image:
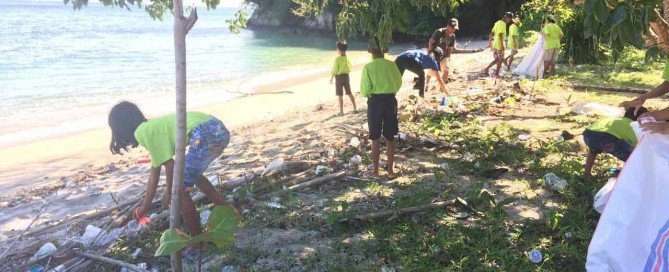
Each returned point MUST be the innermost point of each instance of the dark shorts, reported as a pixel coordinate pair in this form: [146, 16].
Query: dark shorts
[342, 82]
[206, 143]
[600, 142]
[382, 116]
[406, 63]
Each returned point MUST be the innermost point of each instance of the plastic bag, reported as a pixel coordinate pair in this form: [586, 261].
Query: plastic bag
[602, 196]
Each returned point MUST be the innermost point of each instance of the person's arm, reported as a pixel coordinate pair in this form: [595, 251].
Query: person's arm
[151, 186]
[431, 44]
[169, 177]
[440, 80]
[640, 100]
[490, 37]
[365, 83]
[589, 162]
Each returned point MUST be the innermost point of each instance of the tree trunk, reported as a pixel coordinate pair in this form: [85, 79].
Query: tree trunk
[665, 3]
[180, 148]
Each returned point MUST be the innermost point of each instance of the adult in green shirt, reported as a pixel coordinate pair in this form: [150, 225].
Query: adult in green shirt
[614, 136]
[552, 36]
[514, 41]
[496, 43]
[340, 73]
[207, 139]
[661, 115]
[380, 81]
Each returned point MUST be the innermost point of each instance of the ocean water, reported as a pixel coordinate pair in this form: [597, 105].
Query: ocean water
[61, 69]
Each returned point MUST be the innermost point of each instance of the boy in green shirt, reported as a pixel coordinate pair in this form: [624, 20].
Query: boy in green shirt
[340, 71]
[496, 43]
[552, 36]
[612, 135]
[381, 79]
[207, 139]
[514, 41]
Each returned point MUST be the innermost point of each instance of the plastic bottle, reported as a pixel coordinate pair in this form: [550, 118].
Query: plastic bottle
[535, 256]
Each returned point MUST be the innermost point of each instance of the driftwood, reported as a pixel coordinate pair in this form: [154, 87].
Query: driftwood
[111, 261]
[41, 210]
[313, 182]
[610, 89]
[397, 212]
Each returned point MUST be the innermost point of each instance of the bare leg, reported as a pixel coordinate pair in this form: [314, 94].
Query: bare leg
[547, 67]
[589, 162]
[375, 156]
[341, 104]
[205, 186]
[498, 61]
[191, 218]
[391, 156]
[355, 108]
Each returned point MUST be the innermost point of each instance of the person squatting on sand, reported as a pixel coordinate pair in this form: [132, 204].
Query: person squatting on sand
[207, 138]
[420, 63]
[381, 80]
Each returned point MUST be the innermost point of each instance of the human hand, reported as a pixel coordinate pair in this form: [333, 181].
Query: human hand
[636, 103]
[139, 214]
[658, 128]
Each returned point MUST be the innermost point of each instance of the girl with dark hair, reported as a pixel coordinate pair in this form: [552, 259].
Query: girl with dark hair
[208, 137]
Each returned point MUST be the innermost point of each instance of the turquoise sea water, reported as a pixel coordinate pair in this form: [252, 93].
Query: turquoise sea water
[61, 70]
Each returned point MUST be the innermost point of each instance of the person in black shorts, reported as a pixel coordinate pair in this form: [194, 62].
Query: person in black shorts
[420, 63]
[380, 81]
[340, 73]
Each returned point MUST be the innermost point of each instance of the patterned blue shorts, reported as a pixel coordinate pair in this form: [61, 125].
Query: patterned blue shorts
[206, 143]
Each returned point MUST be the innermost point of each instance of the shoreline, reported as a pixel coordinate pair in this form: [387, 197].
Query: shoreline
[66, 154]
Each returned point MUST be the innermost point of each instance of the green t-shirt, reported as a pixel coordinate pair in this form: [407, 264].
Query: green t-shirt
[380, 76]
[619, 127]
[341, 66]
[514, 34]
[553, 35]
[499, 29]
[665, 75]
[158, 135]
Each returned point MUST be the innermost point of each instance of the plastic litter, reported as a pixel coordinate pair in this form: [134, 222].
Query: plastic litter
[554, 182]
[275, 205]
[387, 269]
[356, 160]
[355, 142]
[36, 268]
[46, 250]
[568, 235]
[230, 268]
[523, 137]
[602, 196]
[592, 108]
[273, 167]
[136, 253]
[322, 170]
[204, 216]
[133, 228]
[90, 235]
[535, 256]
[444, 166]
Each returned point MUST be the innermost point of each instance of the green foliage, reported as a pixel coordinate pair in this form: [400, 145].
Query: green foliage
[374, 18]
[155, 8]
[220, 230]
[618, 23]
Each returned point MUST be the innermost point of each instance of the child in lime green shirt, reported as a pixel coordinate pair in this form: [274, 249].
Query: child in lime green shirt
[514, 41]
[207, 135]
[612, 135]
[340, 72]
[496, 43]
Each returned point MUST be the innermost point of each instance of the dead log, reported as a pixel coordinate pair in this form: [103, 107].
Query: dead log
[397, 212]
[111, 261]
[313, 182]
[610, 89]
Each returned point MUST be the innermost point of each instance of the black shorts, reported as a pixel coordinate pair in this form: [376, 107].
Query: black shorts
[382, 116]
[601, 142]
[406, 63]
[342, 82]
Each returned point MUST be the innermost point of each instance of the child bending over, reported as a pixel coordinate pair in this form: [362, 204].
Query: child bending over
[207, 139]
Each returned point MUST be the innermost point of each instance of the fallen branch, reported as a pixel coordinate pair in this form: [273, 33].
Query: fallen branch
[397, 212]
[111, 261]
[610, 89]
[313, 182]
[41, 210]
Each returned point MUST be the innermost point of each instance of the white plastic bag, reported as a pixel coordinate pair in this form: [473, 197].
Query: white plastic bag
[633, 232]
[602, 196]
[532, 65]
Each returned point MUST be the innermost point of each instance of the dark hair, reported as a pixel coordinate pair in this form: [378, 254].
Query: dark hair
[550, 19]
[508, 14]
[124, 118]
[376, 49]
[342, 46]
[633, 114]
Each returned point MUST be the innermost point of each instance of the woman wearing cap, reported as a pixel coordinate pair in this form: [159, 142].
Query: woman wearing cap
[444, 38]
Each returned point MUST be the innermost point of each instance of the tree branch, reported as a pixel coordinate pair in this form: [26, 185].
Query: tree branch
[191, 20]
[111, 261]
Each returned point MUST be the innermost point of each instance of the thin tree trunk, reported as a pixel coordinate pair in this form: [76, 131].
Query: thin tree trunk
[665, 3]
[180, 148]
